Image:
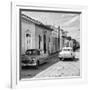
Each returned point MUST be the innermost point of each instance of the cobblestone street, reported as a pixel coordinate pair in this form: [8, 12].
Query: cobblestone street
[60, 69]
[53, 68]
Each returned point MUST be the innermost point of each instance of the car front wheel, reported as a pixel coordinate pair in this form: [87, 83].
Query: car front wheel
[61, 59]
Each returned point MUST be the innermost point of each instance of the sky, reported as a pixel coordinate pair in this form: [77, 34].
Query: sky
[67, 21]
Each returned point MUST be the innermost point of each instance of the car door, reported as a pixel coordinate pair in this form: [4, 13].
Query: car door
[43, 57]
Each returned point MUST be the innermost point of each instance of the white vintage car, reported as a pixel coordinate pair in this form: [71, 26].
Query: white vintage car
[66, 53]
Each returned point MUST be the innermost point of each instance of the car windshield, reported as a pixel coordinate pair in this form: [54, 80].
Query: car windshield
[67, 49]
[32, 52]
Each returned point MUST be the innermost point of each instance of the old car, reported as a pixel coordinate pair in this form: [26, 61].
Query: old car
[66, 53]
[33, 57]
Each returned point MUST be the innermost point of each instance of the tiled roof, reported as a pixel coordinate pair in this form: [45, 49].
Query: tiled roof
[35, 22]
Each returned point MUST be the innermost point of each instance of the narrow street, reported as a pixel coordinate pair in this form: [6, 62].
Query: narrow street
[54, 68]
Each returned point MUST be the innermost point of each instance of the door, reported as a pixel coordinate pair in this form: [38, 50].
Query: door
[44, 39]
[27, 40]
[39, 42]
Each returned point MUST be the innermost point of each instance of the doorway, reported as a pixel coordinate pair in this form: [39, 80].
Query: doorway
[27, 40]
[44, 39]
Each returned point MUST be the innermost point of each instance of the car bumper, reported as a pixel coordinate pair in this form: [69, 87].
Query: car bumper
[33, 64]
[65, 56]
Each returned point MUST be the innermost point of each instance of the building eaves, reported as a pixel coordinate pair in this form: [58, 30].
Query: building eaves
[29, 19]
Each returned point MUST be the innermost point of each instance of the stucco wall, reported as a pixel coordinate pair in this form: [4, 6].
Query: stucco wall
[40, 31]
[25, 25]
[36, 30]
[54, 42]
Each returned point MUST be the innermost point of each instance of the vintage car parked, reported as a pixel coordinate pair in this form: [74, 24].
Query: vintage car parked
[66, 53]
[33, 57]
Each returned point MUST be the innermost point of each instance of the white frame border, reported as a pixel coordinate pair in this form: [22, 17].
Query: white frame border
[15, 82]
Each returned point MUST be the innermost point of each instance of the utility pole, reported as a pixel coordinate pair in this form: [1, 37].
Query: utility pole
[59, 37]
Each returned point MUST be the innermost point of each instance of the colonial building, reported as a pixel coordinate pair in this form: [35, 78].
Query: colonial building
[55, 40]
[34, 35]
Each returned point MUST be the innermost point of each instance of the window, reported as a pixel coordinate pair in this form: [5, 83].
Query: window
[28, 35]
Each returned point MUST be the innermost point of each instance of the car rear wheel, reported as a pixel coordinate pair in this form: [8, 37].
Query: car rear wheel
[73, 58]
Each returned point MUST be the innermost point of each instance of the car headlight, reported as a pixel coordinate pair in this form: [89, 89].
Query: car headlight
[33, 58]
[59, 54]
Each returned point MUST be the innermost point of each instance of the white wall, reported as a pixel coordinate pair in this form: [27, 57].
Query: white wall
[5, 46]
[24, 27]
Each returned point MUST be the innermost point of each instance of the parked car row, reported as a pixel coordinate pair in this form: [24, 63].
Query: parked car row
[34, 57]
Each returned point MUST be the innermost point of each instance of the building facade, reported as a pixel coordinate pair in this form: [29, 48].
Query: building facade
[55, 40]
[63, 40]
[34, 35]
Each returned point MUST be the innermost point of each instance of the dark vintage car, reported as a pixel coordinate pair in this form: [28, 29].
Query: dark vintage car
[33, 57]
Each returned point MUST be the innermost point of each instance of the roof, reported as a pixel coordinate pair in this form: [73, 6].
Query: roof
[29, 19]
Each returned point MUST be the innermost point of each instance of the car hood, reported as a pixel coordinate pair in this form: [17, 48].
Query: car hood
[28, 57]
